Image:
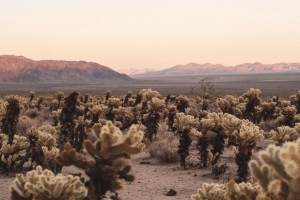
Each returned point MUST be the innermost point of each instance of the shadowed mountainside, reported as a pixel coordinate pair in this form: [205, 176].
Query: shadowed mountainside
[210, 69]
[21, 69]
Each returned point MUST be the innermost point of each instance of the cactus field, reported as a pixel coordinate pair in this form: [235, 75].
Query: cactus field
[148, 145]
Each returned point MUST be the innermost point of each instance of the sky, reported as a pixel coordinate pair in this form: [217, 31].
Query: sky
[157, 34]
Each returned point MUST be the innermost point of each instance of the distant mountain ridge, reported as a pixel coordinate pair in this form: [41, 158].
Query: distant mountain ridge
[22, 69]
[209, 69]
[134, 71]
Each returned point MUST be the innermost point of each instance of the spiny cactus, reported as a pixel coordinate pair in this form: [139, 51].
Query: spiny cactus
[224, 105]
[104, 176]
[245, 139]
[107, 95]
[126, 102]
[59, 96]
[112, 103]
[295, 100]
[80, 132]
[252, 99]
[269, 110]
[42, 184]
[10, 153]
[284, 134]
[210, 192]
[12, 144]
[10, 119]
[202, 142]
[186, 125]
[171, 113]
[42, 149]
[181, 103]
[219, 140]
[287, 116]
[244, 191]
[279, 173]
[151, 119]
[66, 120]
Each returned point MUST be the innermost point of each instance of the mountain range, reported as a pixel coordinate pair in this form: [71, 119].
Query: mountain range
[21, 69]
[135, 71]
[210, 69]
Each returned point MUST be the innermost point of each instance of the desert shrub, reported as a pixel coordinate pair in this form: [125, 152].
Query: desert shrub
[31, 113]
[25, 124]
[164, 148]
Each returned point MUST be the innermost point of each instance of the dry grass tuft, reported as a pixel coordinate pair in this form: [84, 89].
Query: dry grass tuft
[164, 148]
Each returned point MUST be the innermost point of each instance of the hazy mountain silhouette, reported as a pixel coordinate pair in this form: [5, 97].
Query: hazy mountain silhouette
[246, 68]
[21, 69]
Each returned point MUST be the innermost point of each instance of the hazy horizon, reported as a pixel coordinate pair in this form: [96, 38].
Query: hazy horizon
[152, 34]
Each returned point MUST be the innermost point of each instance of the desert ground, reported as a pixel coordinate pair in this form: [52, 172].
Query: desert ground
[270, 84]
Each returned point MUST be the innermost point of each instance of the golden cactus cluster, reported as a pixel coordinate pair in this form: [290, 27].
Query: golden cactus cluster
[43, 184]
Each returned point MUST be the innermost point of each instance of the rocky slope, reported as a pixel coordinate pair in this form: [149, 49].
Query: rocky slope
[247, 68]
[21, 69]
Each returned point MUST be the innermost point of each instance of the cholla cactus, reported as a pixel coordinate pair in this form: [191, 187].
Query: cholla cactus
[127, 101]
[66, 120]
[297, 127]
[252, 99]
[156, 105]
[10, 119]
[148, 94]
[269, 110]
[284, 134]
[245, 139]
[55, 116]
[171, 113]
[295, 100]
[186, 125]
[181, 103]
[107, 95]
[210, 192]
[43, 184]
[11, 143]
[224, 105]
[219, 139]
[3, 106]
[96, 111]
[10, 153]
[287, 116]
[279, 174]
[244, 191]
[230, 123]
[80, 132]
[46, 140]
[125, 116]
[59, 96]
[107, 150]
[151, 119]
[31, 95]
[48, 129]
[50, 154]
[114, 103]
[42, 149]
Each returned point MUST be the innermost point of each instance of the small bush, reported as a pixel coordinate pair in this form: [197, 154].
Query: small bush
[164, 148]
[25, 124]
[31, 113]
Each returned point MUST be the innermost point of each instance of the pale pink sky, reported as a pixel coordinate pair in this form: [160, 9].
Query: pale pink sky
[152, 34]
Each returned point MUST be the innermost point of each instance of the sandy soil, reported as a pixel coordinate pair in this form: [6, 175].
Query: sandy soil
[155, 179]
